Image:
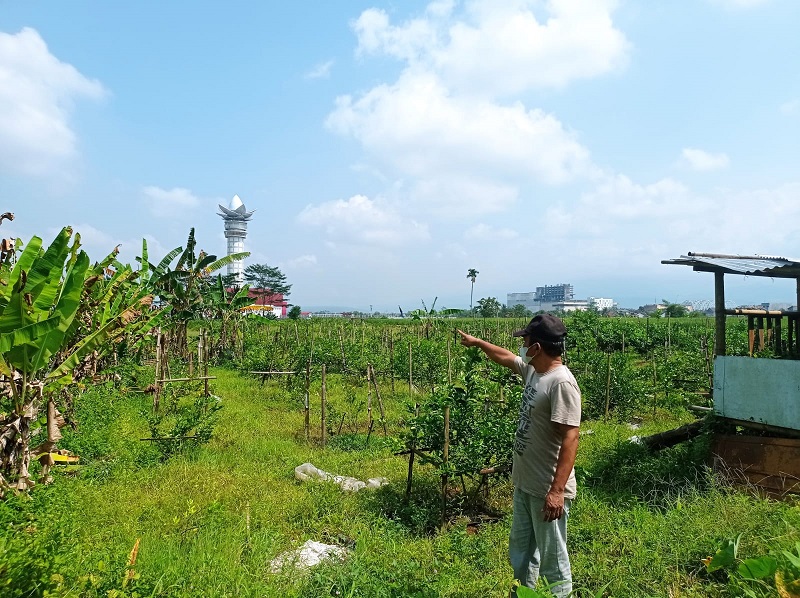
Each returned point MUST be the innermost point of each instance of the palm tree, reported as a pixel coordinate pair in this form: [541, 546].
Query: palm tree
[472, 274]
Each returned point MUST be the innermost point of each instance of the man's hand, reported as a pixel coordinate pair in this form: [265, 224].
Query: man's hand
[467, 339]
[553, 506]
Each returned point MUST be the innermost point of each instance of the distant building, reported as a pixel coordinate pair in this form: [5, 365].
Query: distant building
[266, 303]
[601, 303]
[527, 300]
[557, 297]
[543, 298]
[235, 217]
[556, 292]
[652, 307]
[570, 305]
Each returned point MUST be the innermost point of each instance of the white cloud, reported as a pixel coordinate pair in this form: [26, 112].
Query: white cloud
[484, 232]
[791, 107]
[320, 71]
[362, 221]
[445, 127]
[37, 95]
[302, 261]
[420, 130]
[740, 4]
[496, 48]
[636, 226]
[460, 196]
[700, 160]
[175, 202]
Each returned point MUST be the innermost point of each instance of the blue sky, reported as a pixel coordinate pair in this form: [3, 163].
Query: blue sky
[387, 147]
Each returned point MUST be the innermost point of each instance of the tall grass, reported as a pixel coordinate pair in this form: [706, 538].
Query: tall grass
[212, 519]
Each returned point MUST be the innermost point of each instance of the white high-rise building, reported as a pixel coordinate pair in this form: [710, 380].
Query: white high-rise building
[235, 217]
[601, 303]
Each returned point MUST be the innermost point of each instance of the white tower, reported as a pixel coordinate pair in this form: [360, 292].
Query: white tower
[235, 217]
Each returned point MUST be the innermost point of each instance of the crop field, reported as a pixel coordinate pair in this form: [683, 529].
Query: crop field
[200, 498]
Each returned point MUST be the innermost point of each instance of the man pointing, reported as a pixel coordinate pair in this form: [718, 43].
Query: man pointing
[545, 446]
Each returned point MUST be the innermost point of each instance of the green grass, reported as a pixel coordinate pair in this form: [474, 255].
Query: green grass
[211, 520]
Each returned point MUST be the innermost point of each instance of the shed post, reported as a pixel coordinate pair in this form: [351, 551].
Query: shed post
[719, 313]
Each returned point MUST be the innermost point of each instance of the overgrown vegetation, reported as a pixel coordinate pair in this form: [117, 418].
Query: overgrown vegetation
[197, 497]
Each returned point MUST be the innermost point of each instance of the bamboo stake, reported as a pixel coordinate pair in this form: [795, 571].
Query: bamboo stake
[323, 401]
[197, 379]
[165, 357]
[412, 452]
[608, 384]
[445, 459]
[369, 399]
[205, 362]
[410, 381]
[391, 358]
[380, 400]
[341, 345]
[449, 362]
[655, 381]
[159, 375]
[307, 401]
[669, 334]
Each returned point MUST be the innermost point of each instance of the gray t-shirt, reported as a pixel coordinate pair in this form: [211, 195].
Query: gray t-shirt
[547, 398]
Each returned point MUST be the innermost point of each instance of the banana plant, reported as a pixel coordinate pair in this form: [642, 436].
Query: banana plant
[226, 307]
[55, 309]
[427, 316]
[184, 286]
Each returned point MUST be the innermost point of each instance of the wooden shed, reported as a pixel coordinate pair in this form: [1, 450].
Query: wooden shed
[758, 394]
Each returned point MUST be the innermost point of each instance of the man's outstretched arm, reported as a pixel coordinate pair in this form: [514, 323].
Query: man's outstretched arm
[497, 354]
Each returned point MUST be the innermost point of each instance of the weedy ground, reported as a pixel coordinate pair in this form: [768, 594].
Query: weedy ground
[209, 520]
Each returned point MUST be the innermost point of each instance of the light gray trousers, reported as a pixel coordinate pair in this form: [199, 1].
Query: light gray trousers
[537, 547]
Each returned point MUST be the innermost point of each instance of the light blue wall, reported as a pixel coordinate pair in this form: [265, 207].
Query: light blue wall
[760, 390]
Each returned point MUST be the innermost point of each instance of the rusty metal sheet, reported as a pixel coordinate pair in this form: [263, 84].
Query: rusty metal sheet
[772, 464]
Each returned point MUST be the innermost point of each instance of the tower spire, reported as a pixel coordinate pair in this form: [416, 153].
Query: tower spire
[235, 217]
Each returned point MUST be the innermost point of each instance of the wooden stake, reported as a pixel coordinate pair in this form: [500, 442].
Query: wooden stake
[369, 399]
[371, 374]
[608, 384]
[159, 375]
[655, 381]
[449, 363]
[412, 452]
[391, 358]
[410, 381]
[205, 362]
[341, 345]
[323, 401]
[307, 401]
[445, 459]
[719, 313]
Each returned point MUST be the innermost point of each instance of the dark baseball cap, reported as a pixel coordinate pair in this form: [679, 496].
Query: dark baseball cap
[544, 327]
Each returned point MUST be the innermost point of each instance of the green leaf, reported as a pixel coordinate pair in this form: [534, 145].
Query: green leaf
[724, 556]
[27, 334]
[162, 265]
[24, 263]
[758, 568]
[228, 259]
[794, 559]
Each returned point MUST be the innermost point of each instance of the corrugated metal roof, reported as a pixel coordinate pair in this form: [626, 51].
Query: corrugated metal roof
[752, 265]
